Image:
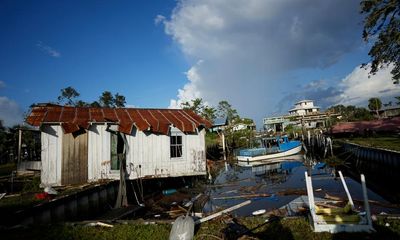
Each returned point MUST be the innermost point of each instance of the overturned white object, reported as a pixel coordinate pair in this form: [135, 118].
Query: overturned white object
[320, 225]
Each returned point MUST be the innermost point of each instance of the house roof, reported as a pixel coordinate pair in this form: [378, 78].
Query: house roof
[154, 120]
[303, 108]
[392, 124]
[305, 100]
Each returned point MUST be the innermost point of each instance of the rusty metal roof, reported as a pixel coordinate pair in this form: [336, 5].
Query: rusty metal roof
[392, 124]
[154, 120]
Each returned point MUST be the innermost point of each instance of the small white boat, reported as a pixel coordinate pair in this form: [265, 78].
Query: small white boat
[274, 148]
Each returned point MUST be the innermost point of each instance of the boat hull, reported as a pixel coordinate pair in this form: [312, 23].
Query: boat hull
[289, 152]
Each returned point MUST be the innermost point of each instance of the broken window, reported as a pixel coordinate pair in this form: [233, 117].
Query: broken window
[176, 146]
[117, 147]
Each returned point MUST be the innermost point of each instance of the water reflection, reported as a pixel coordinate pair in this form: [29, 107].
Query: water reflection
[272, 184]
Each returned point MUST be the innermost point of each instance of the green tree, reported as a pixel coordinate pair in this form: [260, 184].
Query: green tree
[195, 105]
[238, 137]
[225, 110]
[119, 100]
[375, 104]
[68, 96]
[81, 103]
[361, 114]
[3, 141]
[209, 113]
[350, 113]
[382, 26]
[106, 99]
[95, 104]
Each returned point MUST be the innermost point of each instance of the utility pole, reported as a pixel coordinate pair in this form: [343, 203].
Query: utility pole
[223, 145]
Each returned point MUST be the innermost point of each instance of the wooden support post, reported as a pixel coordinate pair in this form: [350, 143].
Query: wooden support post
[223, 145]
[122, 200]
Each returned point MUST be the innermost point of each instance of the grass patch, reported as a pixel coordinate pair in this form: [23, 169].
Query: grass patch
[6, 169]
[61, 232]
[10, 205]
[391, 143]
[297, 228]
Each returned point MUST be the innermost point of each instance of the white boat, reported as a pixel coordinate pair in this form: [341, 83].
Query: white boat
[274, 148]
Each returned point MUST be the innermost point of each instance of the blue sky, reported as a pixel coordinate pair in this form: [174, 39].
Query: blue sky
[259, 55]
[92, 46]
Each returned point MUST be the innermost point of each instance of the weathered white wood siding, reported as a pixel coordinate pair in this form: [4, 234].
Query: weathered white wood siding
[148, 155]
[51, 153]
[98, 152]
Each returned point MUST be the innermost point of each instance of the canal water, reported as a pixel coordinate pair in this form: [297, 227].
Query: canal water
[272, 185]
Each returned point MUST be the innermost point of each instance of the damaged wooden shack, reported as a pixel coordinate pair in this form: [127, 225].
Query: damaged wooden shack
[81, 144]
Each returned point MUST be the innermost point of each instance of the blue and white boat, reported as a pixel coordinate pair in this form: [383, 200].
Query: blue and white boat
[276, 147]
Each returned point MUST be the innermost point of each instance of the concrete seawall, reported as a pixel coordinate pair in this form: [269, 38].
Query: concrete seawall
[373, 159]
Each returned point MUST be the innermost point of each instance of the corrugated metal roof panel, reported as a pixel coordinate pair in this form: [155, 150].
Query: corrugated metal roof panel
[163, 123]
[199, 119]
[154, 126]
[36, 117]
[53, 114]
[96, 115]
[138, 120]
[68, 114]
[70, 127]
[375, 125]
[125, 122]
[82, 116]
[173, 120]
[156, 120]
[110, 115]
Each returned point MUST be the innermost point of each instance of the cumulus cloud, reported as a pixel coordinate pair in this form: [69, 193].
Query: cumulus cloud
[10, 112]
[48, 50]
[247, 47]
[358, 86]
[190, 90]
[354, 89]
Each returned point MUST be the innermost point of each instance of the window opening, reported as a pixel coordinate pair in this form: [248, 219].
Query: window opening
[176, 146]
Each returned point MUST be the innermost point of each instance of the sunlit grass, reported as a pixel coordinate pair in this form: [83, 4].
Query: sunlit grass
[294, 228]
[391, 143]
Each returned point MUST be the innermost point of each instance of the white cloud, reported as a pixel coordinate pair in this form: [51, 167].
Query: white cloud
[190, 90]
[248, 47]
[354, 89]
[2, 84]
[358, 86]
[48, 50]
[10, 112]
[159, 19]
